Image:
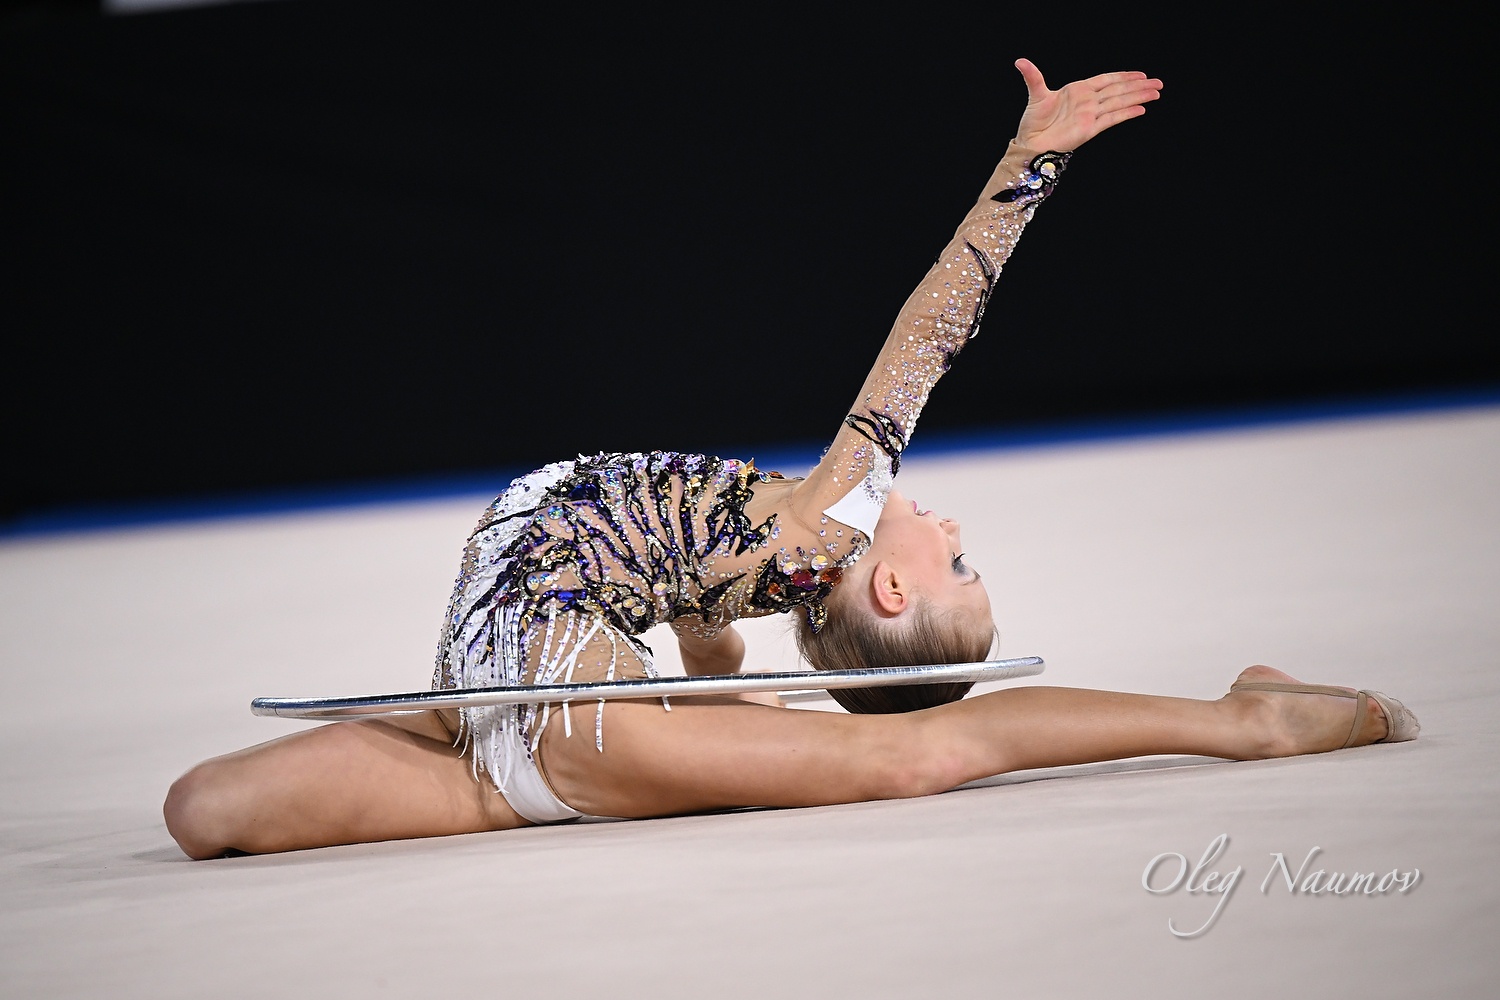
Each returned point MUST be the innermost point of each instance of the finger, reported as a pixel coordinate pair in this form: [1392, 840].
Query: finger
[1112, 102]
[1135, 83]
[1106, 79]
[1129, 87]
[1036, 85]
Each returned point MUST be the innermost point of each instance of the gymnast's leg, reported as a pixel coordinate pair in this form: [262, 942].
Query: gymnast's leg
[698, 758]
[342, 783]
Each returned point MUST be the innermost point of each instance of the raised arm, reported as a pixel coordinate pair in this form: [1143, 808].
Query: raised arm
[944, 311]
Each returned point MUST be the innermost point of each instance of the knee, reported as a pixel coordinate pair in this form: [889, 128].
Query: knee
[196, 814]
[925, 774]
[920, 765]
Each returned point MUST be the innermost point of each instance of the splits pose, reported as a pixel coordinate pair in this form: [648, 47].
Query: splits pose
[572, 563]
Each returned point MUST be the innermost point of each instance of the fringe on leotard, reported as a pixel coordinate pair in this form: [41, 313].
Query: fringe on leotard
[486, 639]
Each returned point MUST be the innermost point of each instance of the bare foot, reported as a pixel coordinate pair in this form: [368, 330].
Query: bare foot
[1295, 723]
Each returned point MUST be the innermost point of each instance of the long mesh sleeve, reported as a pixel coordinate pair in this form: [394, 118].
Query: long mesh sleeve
[939, 317]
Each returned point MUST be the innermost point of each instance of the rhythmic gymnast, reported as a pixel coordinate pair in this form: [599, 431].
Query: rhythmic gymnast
[572, 563]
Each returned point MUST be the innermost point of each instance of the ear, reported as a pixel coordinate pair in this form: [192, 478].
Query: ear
[888, 589]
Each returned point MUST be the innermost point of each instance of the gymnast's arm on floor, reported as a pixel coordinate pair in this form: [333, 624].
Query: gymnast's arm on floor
[723, 654]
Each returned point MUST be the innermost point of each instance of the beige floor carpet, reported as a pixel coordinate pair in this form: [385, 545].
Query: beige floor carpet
[1362, 551]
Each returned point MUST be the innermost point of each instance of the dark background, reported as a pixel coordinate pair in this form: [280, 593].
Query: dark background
[311, 244]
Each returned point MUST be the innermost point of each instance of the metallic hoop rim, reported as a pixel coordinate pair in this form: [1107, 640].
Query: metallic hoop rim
[360, 706]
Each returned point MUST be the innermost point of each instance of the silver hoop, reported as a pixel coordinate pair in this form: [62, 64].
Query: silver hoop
[801, 683]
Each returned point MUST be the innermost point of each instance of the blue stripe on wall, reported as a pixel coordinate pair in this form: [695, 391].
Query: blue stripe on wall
[793, 459]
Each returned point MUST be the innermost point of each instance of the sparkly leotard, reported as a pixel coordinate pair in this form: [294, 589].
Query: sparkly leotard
[573, 562]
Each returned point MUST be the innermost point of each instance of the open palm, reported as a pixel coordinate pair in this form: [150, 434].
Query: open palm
[1065, 119]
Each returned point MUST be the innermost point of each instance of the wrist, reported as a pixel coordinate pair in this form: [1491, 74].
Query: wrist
[1025, 177]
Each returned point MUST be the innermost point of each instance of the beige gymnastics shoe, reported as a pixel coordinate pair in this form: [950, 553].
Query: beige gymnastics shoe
[1400, 723]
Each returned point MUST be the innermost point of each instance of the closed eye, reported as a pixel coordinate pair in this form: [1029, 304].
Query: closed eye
[963, 569]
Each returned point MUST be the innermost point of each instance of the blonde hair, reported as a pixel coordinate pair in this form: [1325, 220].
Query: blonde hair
[853, 637]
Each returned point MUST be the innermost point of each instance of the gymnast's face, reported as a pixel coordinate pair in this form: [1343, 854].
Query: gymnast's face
[915, 552]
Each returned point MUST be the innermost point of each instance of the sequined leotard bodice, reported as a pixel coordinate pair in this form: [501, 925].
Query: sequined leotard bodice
[572, 563]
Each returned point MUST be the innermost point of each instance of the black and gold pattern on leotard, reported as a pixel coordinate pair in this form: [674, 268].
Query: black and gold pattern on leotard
[1036, 183]
[573, 562]
[631, 537]
[883, 432]
[638, 540]
[777, 589]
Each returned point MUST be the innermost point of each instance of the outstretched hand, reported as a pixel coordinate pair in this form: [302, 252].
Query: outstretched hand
[1065, 119]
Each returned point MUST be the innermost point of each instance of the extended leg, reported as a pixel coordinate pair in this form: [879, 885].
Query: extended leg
[344, 783]
[697, 758]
